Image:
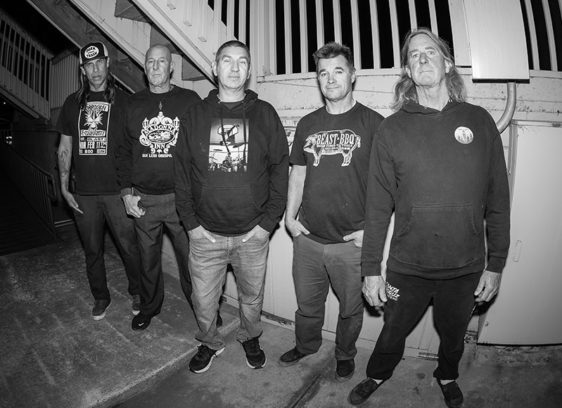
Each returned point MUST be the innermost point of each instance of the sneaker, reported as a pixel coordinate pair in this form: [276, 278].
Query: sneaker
[136, 304]
[100, 306]
[255, 357]
[291, 357]
[363, 391]
[141, 321]
[452, 393]
[202, 361]
[344, 369]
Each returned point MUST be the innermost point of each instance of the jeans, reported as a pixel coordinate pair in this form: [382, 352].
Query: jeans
[160, 214]
[408, 298]
[315, 267]
[208, 262]
[99, 210]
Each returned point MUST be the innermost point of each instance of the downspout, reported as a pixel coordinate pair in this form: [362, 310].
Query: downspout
[503, 122]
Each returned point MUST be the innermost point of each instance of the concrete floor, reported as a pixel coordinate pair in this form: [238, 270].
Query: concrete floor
[52, 354]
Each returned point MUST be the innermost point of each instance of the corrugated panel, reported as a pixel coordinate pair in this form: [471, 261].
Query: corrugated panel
[65, 80]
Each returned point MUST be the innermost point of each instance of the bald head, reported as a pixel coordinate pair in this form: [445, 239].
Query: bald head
[158, 67]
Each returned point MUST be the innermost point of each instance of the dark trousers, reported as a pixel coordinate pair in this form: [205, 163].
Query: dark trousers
[100, 210]
[408, 299]
[315, 267]
[160, 215]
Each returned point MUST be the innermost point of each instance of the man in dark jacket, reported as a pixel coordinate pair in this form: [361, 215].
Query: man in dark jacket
[231, 189]
[440, 168]
[146, 177]
[91, 127]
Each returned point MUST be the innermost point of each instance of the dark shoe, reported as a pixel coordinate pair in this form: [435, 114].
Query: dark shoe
[363, 391]
[452, 393]
[344, 369]
[100, 306]
[202, 361]
[291, 357]
[141, 322]
[255, 357]
[136, 304]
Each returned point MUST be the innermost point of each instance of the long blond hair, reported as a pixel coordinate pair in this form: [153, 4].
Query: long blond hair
[405, 89]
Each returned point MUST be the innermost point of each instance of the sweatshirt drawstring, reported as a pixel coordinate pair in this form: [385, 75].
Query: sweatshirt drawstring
[244, 131]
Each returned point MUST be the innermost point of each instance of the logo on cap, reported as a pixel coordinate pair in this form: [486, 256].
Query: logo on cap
[91, 52]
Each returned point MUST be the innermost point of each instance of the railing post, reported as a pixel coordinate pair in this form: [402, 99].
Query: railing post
[18, 67]
[288, 29]
[259, 40]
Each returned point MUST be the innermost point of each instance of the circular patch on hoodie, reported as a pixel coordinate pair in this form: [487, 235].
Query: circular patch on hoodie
[463, 135]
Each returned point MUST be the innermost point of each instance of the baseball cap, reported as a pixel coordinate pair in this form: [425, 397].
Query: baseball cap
[92, 51]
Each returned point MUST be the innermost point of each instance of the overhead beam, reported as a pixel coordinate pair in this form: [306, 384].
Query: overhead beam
[80, 31]
[185, 36]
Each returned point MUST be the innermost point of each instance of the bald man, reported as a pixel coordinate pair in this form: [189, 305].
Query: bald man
[145, 176]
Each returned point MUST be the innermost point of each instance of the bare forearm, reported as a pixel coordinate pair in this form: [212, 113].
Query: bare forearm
[64, 159]
[296, 186]
[64, 168]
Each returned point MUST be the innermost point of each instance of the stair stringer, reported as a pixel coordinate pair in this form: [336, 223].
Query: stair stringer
[133, 37]
[193, 27]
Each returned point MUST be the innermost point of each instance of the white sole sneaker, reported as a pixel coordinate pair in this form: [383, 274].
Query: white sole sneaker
[256, 367]
[101, 316]
[210, 362]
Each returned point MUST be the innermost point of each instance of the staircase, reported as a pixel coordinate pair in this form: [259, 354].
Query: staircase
[28, 192]
[20, 226]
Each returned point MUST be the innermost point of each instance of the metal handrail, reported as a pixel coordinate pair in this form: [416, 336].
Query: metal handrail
[38, 186]
[52, 192]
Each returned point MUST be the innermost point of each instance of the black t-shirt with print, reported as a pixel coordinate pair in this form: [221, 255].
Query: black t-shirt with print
[96, 132]
[335, 150]
[152, 129]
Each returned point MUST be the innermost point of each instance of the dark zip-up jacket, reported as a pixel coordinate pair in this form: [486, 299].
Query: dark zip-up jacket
[231, 166]
[443, 174]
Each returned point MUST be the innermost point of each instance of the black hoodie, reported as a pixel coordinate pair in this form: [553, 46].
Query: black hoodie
[443, 174]
[231, 166]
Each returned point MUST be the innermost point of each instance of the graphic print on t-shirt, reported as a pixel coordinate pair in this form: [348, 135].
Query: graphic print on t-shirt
[228, 146]
[92, 129]
[159, 133]
[332, 142]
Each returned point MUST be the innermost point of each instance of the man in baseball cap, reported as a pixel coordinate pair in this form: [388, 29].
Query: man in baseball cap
[90, 123]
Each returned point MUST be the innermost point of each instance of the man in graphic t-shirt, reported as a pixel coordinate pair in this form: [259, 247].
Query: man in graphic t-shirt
[327, 187]
[90, 124]
[146, 177]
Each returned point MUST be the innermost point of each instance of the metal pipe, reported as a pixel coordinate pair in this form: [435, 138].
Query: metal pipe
[503, 122]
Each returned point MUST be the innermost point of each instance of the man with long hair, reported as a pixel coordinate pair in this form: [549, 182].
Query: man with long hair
[440, 168]
[90, 124]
